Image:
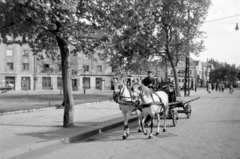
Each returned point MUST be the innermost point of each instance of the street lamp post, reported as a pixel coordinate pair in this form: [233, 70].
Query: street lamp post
[84, 86]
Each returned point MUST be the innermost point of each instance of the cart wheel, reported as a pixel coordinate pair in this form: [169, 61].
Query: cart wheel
[188, 108]
[174, 117]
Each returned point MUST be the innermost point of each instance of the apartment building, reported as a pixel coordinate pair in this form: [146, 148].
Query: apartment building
[20, 69]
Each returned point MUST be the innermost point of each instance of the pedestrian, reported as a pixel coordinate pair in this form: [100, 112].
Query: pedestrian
[231, 88]
[223, 87]
[209, 87]
[216, 87]
[63, 104]
[220, 87]
[212, 87]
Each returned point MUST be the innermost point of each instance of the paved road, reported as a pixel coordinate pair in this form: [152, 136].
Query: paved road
[213, 132]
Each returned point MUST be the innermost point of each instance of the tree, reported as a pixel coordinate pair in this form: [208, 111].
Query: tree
[178, 33]
[52, 25]
[129, 47]
[225, 73]
[238, 75]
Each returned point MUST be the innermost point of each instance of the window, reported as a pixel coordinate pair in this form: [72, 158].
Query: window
[86, 83]
[9, 52]
[10, 66]
[74, 72]
[180, 63]
[99, 68]
[86, 68]
[25, 66]
[46, 83]
[25, 53]
[190, 72]
[171, 72]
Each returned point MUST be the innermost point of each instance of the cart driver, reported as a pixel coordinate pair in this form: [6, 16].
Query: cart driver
[149, 81]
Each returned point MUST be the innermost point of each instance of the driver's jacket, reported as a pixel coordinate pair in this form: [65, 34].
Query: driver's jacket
[149, 82]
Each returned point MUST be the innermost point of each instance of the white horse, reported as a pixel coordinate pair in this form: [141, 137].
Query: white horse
[152, 103]
[123, 96]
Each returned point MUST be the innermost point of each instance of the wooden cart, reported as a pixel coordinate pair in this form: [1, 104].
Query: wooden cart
[185, 106]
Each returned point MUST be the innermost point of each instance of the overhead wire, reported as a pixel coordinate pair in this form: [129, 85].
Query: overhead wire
[222, 18]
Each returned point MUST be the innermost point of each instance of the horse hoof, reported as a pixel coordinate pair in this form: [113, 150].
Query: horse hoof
[157, 133]
[150, 137]
[139, 130]
[145, 132]
[164, 130]
[124, 137]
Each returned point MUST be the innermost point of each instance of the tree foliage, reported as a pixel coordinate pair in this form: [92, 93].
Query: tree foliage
[50, 26]
[167, 28]
[224, 73]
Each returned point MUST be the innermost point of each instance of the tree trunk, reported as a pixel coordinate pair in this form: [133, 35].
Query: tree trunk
[175, 77]
[66, 81]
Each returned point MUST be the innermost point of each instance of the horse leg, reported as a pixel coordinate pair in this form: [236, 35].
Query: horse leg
[158, 124]
[126, 128]
[150, 136]
[139, 121]
[125, 118]
[142, 125]
[165, 116]
[126, 124]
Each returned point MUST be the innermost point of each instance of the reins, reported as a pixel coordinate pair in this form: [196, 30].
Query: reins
[120, 96]
[141, 95]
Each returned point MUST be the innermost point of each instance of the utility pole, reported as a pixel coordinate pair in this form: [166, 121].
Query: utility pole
[186, 78]
[84, 80]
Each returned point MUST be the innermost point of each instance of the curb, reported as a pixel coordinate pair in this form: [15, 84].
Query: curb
[47, 108]
[36, 150]
[97, 130]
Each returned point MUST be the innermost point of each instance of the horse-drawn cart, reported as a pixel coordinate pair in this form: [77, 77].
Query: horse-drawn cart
[185, 106]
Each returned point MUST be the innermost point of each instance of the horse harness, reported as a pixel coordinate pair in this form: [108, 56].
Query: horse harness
[154, 102]
[117, 98]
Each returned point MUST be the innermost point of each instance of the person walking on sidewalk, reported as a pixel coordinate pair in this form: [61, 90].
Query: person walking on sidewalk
[209, 87]
[223, 87]
[231, 88]
[216, 87]
[220, 87]
[212, 87]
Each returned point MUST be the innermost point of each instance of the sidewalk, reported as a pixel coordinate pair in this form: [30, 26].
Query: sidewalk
[88, 91]
[21, 131]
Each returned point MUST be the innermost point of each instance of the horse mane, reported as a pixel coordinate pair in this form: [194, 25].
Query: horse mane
[146, 90]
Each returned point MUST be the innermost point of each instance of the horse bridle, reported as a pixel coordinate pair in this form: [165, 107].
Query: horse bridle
[140, 94]
[119, 94]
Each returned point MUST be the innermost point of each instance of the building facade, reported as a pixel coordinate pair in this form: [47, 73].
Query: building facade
[20, 69]
[180, 69]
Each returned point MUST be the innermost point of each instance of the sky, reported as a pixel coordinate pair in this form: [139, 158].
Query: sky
[222, 41]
